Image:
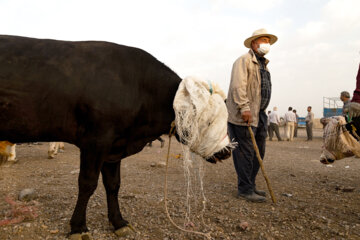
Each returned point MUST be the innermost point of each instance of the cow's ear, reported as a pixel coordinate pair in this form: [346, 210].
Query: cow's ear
[190, 100]
[198, 93]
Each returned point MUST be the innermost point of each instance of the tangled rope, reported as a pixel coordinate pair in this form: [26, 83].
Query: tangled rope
[207, 235]
[18, 213]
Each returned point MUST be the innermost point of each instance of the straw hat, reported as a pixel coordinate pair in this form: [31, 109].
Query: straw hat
[260, 33]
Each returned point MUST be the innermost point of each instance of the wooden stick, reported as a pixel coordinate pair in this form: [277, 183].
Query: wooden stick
[261, 164]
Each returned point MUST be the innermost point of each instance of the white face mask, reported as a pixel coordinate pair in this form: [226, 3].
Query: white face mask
[264, 48]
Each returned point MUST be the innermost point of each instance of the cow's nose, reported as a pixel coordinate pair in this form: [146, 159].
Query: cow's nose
[221, 155]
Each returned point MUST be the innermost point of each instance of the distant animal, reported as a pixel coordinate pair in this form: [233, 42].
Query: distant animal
[107, 99]
[7, 151]
[55, 148]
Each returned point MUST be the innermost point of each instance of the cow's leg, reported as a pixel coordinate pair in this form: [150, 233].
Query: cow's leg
[12, 156]
[90, 165]
[52, 150]
[111, 179]
[61, 147]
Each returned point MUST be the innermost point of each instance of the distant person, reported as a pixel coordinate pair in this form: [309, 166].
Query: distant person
[296, 123]
[290, 119]
[345, 98]
[274, 124]
[248, 97]
[162, 142]
[309, 124]
[268, 124]
[283, 125]
[356, 96]
[353, 108]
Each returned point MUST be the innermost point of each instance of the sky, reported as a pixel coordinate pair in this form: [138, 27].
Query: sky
[317, 54]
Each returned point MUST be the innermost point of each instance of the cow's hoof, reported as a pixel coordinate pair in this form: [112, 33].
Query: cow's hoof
[80, 236]
[125, 231]
[13, 160]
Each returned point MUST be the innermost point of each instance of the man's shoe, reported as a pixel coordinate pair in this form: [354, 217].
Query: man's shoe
[252, 197]
[260, 192]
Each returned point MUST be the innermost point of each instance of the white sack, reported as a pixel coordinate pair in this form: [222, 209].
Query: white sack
[201, 117]
[338, 143]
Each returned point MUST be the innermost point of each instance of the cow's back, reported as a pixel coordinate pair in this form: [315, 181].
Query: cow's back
[60, 91]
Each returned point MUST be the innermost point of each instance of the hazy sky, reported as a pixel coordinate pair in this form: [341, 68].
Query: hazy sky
[317, 54]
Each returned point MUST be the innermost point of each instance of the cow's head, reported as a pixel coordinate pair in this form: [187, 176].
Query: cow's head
[201, 119]
[338, 142]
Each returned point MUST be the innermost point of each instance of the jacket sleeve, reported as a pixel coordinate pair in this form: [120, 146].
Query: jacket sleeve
[239, 77]
[356, 96]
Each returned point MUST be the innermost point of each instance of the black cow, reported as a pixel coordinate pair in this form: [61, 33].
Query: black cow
[107, 99]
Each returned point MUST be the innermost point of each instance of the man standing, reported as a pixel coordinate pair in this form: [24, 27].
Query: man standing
[274, 124]
[296, 123]
[345, 98]
[270, 134]
[353, 108]
[248, 97]
[290, 119]
[309, 124]
[356, 96]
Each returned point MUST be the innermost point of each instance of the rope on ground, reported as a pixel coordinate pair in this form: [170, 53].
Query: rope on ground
[207, 235]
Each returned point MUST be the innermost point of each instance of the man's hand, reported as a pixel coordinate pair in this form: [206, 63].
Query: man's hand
[246, 116]
[353, 109]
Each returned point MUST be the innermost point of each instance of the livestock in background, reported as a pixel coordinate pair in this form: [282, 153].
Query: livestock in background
[55, 148]
[7, 152]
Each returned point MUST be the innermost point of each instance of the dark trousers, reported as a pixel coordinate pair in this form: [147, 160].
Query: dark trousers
[309, 131]
[274, 128]
[354, 124]
[269, 132]
[295, 130]
[245, 160]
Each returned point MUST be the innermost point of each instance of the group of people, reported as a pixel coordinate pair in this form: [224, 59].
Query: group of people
[290, 121]
[248, 98]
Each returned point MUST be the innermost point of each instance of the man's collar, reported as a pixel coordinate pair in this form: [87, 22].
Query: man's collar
[254, 59]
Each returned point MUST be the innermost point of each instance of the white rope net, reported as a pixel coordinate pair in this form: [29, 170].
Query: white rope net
[195, 200]
[201, 117]
[201, 123]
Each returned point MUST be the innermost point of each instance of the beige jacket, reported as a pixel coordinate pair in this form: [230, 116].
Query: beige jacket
[245, 89]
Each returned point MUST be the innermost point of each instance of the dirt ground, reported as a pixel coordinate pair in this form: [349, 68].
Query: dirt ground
[314, 201]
